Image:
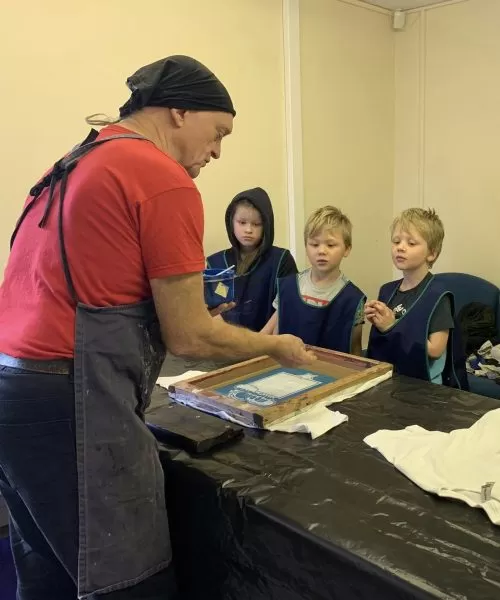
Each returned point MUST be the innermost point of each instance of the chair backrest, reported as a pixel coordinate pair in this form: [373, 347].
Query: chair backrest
[469, 288]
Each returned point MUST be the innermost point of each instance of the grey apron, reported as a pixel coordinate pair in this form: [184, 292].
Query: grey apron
[123, 527]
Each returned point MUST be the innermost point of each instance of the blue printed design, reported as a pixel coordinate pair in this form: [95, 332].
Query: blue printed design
[274, 387]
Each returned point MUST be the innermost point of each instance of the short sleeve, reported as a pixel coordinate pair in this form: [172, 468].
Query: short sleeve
[171, 233]
[359, 318]
[442, 317]
[287, 265]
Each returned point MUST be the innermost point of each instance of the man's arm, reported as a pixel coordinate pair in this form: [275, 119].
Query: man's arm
[189, 330]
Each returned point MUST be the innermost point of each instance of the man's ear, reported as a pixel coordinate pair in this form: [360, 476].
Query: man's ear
[178, 116]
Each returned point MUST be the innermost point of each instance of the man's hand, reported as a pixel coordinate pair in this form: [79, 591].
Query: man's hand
[379, 315]
[291, 351]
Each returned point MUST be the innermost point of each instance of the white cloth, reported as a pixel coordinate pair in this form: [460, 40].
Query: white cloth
[316, 420]
[166, 382]
[463, 464]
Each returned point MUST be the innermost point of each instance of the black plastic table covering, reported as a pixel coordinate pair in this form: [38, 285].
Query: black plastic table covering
[281, 517]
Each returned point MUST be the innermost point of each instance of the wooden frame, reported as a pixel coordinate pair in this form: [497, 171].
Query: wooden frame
[200, 392]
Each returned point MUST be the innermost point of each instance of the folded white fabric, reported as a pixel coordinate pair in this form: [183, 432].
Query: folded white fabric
[166, 382]
[463, 464]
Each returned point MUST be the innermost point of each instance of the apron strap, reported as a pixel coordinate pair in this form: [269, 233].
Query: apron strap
[60, 173]
[37, 189]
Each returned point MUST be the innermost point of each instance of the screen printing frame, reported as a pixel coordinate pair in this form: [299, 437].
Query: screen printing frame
[199, 392]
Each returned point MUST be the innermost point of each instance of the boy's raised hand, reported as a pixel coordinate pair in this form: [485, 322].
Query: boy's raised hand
[379, 314]
[370, 310]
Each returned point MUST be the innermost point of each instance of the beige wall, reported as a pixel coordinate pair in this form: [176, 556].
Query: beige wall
[62, 61]
[448, 128]
[389, 119]
[347, 63]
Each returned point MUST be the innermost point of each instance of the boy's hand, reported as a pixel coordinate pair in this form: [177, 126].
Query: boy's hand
[379, 314]
[370, 310]
[222, 308]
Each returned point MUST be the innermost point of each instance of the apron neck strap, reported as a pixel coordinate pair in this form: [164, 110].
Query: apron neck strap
[60, 173]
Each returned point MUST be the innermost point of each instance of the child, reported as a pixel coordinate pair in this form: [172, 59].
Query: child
[259, 264]
[320, 305]
[413, 318]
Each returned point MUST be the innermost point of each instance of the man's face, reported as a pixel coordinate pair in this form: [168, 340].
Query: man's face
[199, 136]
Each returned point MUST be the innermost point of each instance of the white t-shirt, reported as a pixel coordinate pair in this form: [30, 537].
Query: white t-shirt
[463, 464]
[321, 296]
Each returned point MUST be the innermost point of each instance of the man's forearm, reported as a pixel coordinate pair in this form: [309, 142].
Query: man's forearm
[222, 341]
[188, 329]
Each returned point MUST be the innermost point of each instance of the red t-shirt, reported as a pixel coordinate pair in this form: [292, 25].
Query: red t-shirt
[131, 214]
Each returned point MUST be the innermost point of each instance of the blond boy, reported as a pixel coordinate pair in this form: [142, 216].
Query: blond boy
[413, 317]
[320, 305]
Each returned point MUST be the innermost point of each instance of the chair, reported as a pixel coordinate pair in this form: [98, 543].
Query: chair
[466, 289]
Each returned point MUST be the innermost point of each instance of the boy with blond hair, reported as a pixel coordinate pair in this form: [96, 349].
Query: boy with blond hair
[320, 305]
[413, 318]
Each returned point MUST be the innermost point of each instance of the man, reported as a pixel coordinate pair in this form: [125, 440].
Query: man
[105, 271]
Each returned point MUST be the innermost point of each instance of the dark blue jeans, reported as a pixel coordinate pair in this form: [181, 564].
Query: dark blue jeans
[38, 479]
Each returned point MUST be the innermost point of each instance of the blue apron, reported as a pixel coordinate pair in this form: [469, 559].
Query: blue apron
[123, 527]
[404, 345]
[254, 291]
[329, 326]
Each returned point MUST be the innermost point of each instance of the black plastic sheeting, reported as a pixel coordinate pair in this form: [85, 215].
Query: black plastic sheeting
[278, 516]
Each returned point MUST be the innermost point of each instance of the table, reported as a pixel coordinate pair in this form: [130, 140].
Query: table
[280, 517]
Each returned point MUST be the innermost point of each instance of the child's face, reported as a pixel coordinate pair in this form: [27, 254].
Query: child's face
[247, 227]
[409, 250]
[325, 250]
